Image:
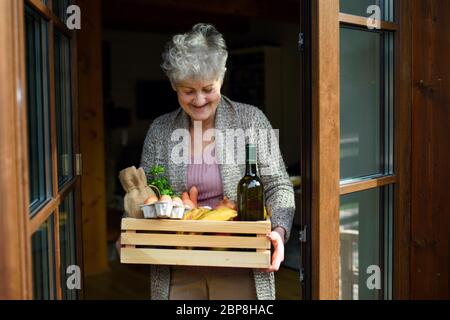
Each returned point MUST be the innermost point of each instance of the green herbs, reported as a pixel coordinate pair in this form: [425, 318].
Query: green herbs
[160, 181]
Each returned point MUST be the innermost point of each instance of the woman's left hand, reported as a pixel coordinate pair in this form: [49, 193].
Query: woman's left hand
[276, 237]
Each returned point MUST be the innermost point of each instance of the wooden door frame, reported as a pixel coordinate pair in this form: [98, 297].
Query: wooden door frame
[92, 138]
[77, 151]
[15, 251]
[325, 137]
[17, 227]
[325, 132]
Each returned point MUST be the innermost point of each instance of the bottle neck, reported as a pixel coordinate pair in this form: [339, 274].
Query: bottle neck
[250, 160]
[250, 169]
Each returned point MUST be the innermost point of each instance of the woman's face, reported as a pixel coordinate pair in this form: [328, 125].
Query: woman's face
[199, 99]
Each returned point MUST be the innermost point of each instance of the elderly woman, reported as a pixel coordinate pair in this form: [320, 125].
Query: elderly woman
[195, 65]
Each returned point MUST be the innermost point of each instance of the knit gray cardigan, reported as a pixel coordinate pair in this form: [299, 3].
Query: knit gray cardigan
[278, 189]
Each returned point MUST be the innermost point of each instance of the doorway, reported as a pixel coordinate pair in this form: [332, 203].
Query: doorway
[263, 44]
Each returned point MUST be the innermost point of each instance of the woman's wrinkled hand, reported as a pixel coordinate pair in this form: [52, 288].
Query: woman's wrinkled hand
[276, 237]
[193, 194]
[190, 198]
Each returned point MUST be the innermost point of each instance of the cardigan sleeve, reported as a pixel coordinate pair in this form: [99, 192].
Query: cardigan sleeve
[278, 188]
[148, 150]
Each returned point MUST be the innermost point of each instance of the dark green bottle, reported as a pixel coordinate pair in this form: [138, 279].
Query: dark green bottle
[250, 193]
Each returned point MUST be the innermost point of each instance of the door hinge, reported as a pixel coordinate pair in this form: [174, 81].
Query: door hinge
[78, 164]
[302, 234]
[301, 276]
[301, 41]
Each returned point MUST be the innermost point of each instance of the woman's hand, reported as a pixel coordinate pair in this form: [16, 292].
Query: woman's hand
[190, 198]
[277, 237]
[226, 203]
[193, 194]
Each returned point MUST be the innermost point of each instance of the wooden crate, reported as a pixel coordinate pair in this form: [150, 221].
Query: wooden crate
[158, 241]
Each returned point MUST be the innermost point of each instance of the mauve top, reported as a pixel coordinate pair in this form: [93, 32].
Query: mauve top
[206, 177]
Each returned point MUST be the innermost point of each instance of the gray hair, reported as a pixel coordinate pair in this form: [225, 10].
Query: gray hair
[200, 54]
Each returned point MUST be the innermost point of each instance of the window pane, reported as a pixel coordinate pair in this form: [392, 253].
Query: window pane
[38, 114]
[365, 241]
[67, 243]
[44, 261]
[359, 8]
[367, 64]
[63, 108]
[360, 103]
[60, 7]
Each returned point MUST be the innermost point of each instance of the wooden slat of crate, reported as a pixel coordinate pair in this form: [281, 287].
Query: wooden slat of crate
[163, 232]
[244, 227]
[196, 257]
[207, 241]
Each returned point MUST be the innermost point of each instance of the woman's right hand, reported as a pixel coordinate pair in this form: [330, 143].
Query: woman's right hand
[193, 194]
[190, 198]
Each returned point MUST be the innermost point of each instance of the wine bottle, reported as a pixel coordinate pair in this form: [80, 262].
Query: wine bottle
[250, 193]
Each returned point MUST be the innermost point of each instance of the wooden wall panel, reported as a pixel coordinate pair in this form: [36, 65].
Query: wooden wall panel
[402, 144]
[430, 200]
[90, 104]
